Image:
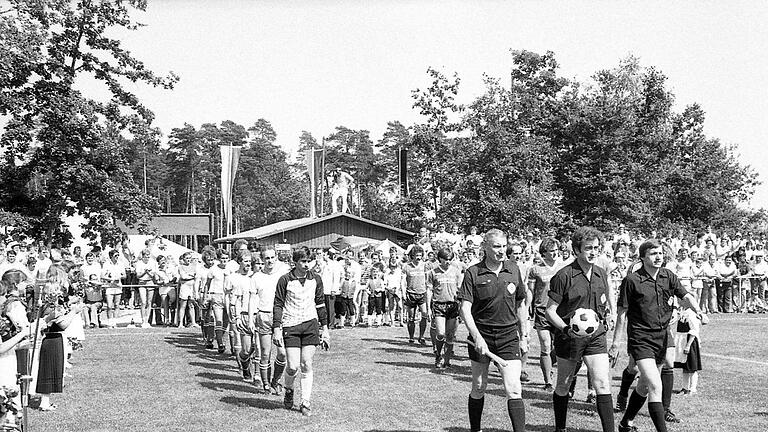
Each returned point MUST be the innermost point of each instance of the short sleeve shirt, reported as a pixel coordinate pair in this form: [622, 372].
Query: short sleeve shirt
[540, 275]
[494, 298]
[445, 283]
[571, 290]
[649, 302]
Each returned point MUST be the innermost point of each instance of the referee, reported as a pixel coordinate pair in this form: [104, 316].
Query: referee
[581, 284]
[492, 297]
[645, 305]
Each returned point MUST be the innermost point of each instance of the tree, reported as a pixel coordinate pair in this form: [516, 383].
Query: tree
[64, 151]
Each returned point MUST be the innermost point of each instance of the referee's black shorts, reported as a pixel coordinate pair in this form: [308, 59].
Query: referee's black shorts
[502, 341]
[645, 344]
[576, 348]
[304, 334]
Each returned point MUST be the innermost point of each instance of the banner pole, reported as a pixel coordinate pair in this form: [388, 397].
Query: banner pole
[322, 184]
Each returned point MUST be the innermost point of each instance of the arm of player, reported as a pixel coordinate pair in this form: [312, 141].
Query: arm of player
[466, 315]
[618, 333]
[553, 317]
[277, 310]
[322, 313]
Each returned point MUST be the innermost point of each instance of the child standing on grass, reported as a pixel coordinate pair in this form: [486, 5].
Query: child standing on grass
[376, 295]
[687, 352]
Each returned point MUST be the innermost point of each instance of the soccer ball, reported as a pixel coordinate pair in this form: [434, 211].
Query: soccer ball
[584, 322]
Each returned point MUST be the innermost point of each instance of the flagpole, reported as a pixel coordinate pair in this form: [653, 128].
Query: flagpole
[322, 184]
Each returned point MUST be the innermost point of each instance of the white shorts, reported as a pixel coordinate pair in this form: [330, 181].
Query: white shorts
[186, 291]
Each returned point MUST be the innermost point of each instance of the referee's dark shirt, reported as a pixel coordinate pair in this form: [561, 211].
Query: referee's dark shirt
[494, 298]
[649, 302]
[571, 290]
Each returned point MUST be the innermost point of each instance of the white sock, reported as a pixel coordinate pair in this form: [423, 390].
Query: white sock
[289, 379]
[306, 386]
[694, 381]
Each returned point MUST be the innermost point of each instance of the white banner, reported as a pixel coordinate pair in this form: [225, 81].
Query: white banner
[230, 156]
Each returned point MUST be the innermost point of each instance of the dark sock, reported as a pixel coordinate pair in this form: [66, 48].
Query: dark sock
[605, 410]
[516, 410]
[656, 410]
[411, 329]
[279, 367]
[475, 407]
[627, 378]
[439, 347]
[633, 407]
[667, 383]
[560, 404]
[422, 327]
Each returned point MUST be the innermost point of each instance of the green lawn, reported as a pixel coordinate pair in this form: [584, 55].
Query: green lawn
[372, 380]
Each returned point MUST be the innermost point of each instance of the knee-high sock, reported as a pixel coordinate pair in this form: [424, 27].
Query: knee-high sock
[633, 407]
[289, 379]
[245, 363]
[605, 410]
[667, 383]
[627, 377]
[264, 373]
[422, 327]
[516, 411]
[546, 368]
[439, 342]
[219, 330]
[448, 352]
[475, 407]
[411, 329]
[433, 335]
[656, 410]
[560, 404]
[694, 381]
[306, 386]
[279, 368]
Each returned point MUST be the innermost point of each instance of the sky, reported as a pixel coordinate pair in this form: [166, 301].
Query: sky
[316, 65]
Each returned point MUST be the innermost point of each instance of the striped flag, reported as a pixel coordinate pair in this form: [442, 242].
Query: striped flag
[230, 157]
[315, 158]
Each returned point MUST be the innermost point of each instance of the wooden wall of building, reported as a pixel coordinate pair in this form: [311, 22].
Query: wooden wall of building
[321, 234]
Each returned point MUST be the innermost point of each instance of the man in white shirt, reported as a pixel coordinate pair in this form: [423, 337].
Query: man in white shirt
[265, 283]
[10, 263]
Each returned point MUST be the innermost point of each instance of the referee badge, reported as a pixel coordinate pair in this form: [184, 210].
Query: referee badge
[602, 298]
[671, 301]
[511, 288]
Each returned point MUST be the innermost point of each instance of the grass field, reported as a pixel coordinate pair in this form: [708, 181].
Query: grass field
[372, 380]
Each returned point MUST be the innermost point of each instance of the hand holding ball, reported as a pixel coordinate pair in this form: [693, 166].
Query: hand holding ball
[584, 323]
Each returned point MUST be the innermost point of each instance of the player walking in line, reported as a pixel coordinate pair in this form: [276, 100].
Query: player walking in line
[243, 295]
[213, 298]
[298, 317]
[492, 296]
[538, 283]
[581, 284]
[266, 283]
[645, 305]
[417, 296]
[444, 281]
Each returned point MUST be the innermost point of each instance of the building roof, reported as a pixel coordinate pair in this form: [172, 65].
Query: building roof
[288, 225]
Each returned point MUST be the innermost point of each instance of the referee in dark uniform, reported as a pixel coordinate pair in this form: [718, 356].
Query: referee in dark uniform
[492, 297]
[581, 284]
[645, 304]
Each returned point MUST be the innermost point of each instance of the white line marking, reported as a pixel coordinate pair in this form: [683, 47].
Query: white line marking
[738, 359]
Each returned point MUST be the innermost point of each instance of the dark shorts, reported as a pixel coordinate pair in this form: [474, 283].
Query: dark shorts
[449, 310]
[304, 334]
[576, 348]
[345, 307]
[540, 321]
[504, 342]
[645, 344]
[413, 300]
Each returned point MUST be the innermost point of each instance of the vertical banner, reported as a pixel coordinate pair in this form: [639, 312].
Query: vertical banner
[402, 171]
[230, 157]
[315, 159]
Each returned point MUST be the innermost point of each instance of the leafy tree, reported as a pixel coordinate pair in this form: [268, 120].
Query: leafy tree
[64, 151]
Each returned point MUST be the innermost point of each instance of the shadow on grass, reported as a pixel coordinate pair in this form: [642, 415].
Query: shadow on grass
[550, 428]
[230, 380]
[269, 404]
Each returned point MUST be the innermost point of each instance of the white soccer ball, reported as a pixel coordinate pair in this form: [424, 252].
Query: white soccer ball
[584, 322]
